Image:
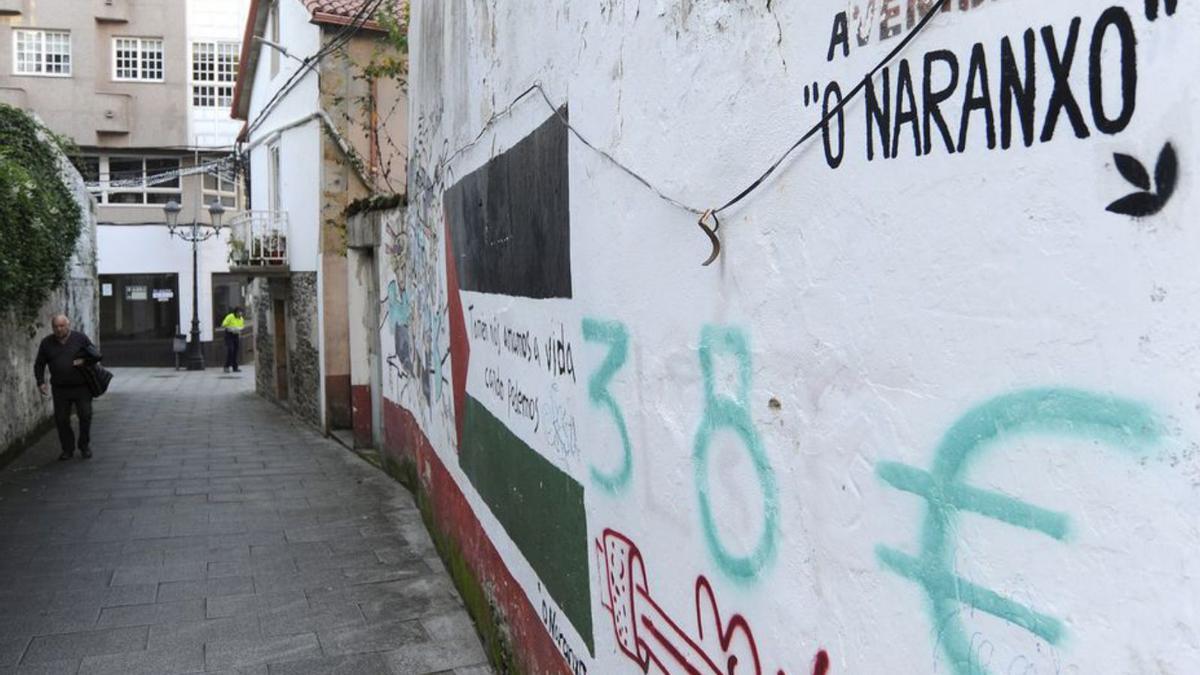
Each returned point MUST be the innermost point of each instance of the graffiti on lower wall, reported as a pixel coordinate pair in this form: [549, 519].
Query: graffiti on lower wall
[1118, 423]
[415, 317]
[654, 639]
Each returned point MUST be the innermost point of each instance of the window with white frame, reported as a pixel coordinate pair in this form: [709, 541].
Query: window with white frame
[274, 179]
[129, 180]
[138, 59]
[220, 187]
[274, 10]
[42, 52]
[214, 72]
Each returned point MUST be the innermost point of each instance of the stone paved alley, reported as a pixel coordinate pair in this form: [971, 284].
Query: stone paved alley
[213, 533]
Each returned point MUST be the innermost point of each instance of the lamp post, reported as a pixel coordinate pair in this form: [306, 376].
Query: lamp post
[194, 357]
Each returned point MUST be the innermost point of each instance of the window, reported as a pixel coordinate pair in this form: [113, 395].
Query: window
[222, 188]
[139, 307]
[274, 196]
[138, 59]
[274, 38]
[214, 72]
[42, 52]
[131, 180]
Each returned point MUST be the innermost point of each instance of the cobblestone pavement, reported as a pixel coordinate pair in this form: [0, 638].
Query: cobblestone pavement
[213, 533]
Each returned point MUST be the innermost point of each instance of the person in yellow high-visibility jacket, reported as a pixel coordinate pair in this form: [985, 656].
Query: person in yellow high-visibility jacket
[233, 325]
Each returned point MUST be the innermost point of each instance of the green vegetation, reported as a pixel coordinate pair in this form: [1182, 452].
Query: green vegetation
[39, 218]
[375, 203]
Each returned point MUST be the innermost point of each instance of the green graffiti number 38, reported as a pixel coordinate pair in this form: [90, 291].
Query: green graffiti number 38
[724, 412]
[720, 412]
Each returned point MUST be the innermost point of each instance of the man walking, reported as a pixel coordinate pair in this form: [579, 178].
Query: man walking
[233, 325]
[63, 351]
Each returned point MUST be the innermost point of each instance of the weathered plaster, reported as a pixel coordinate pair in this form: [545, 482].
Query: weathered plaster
[933, 409]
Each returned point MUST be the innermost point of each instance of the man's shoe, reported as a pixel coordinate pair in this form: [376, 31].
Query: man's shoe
[65, 455]
[225, 369]
[237, 370]
[85, 453]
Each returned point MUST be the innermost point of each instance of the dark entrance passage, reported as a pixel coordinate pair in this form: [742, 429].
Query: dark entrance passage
[139, 316]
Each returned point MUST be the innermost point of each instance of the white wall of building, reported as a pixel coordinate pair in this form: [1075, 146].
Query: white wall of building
[299, 145]
[150, 249]
[928, 413]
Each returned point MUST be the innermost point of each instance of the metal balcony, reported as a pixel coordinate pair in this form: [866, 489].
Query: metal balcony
[258, 242]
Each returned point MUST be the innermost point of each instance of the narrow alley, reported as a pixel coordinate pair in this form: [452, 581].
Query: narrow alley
[213, 533]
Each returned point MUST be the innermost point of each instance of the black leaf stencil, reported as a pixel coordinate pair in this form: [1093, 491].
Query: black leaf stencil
[1132, 170]
[1147, 202]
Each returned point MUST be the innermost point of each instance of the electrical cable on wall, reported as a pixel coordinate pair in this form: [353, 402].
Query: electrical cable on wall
[710, 214]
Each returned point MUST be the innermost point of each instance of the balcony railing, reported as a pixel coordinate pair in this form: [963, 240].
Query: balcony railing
[259, 241]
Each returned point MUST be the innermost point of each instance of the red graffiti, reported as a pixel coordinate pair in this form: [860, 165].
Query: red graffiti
[649, 636]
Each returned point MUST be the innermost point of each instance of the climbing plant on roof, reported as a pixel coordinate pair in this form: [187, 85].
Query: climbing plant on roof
[39, 217]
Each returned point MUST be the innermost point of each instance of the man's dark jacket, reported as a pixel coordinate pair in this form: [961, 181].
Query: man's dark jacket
[60, 357]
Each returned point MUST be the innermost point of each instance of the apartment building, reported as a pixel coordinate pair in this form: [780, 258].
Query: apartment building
[144, 88]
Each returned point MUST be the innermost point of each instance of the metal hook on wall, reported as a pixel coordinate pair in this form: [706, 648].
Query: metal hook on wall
[711, 232]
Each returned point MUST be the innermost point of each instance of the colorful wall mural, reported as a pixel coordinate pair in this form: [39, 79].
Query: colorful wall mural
[934, 406]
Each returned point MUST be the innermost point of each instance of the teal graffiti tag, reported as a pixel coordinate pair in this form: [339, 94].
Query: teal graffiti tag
[1117, 422]
[399, 309]
[613, 334]
[723, 412]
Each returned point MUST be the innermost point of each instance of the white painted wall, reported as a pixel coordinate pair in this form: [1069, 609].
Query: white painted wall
[217, 21]
[299, 145]
[150, 249]
[977, 316]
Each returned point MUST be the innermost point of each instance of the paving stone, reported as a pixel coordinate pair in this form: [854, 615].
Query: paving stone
[371, 638]
[49, 648]
[149, 662]
[357, 664]
[429, 657]
[11, 650]
[255, 603]
[293, 620]
[154, 574]
[64, 667]
[152, 614]
[239, 653]
[180, 590]
[179, 549]
[199, 633]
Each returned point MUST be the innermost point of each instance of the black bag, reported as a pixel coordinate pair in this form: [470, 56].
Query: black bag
[96, 376]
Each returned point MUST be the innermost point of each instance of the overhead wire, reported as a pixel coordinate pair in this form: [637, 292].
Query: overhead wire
[709, 214]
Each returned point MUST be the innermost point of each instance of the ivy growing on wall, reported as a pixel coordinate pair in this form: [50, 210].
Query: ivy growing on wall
[39, 218]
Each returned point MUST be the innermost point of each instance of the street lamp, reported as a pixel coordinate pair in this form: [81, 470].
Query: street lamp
[194, 357]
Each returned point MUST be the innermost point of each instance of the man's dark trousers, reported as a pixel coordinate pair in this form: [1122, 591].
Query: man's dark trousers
[232, 343]
[81, 398]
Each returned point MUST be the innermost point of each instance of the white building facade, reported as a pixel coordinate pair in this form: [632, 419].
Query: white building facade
[146, 274]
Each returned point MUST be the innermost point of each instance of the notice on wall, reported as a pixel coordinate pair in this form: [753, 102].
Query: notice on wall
[135, 292]
[163, 294]
[106, 290]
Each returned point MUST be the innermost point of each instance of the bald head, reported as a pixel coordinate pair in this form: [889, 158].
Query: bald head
[61, 325]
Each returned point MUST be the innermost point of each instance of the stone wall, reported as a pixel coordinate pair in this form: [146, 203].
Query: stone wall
[25, 412]
[304, 364]
[264, 341]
